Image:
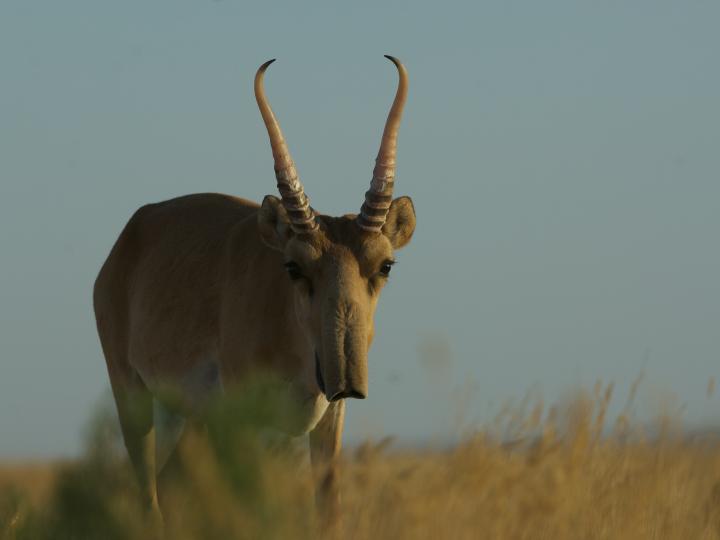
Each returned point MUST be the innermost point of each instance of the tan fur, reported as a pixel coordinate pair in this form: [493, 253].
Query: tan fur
[194, 297]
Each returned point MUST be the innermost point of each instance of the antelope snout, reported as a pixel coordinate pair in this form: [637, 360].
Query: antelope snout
[349, 381]
[350, 389]
[342, 365]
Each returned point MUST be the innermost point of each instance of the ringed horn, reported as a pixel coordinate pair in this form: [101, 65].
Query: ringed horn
[378, 198]
[297, 205]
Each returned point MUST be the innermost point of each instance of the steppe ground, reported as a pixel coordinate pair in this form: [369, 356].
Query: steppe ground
[564, 473]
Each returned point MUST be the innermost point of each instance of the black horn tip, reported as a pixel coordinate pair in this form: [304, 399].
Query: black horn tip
[392, 59]
[266, 64]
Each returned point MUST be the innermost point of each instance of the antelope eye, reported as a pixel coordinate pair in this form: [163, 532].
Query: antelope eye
[386, 267]
[293, 270]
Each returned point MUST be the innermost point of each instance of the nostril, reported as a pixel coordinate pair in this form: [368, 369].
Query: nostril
[344, 394]
[356, 394]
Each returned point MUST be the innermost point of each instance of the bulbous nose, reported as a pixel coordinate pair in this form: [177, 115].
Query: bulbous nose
[348, 393]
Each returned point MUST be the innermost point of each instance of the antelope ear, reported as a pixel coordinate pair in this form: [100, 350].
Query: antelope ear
[273, 223]
[400, 223]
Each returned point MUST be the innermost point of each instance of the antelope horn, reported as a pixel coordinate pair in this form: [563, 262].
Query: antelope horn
[297, 205]
[377, 200]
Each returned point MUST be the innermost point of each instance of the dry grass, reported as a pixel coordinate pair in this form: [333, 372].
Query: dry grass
[568, 474]
[34, 479]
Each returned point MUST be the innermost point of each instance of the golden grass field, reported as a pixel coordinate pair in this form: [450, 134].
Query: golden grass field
[570, 473]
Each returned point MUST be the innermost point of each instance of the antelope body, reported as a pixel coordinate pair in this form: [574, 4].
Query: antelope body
[203, 291]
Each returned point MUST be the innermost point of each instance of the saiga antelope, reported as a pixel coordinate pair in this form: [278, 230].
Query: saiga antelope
[201, 291]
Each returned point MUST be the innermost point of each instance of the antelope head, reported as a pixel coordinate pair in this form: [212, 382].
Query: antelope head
[337, 265]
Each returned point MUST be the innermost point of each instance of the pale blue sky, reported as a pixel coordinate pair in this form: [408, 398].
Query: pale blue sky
[562, 155]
